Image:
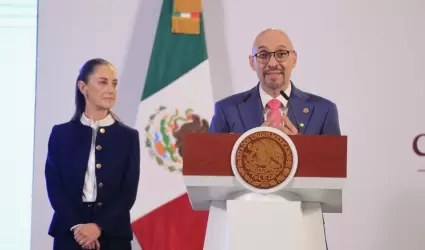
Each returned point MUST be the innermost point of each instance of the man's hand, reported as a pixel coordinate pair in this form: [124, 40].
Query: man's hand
[86, 235]
[285, 126]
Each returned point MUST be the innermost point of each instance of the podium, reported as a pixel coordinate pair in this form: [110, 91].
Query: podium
[243, 217]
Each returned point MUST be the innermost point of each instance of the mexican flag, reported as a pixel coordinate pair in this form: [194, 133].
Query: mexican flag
[177, 98]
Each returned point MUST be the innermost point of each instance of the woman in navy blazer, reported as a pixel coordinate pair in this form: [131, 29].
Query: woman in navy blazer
[92, 168]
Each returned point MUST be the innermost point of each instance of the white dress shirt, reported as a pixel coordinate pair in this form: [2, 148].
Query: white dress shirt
[265, 98]
[90, 187]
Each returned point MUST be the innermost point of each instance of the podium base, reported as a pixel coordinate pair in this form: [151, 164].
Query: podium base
[255, 221]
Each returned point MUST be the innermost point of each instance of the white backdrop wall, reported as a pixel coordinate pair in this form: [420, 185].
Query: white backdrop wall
[365, 56]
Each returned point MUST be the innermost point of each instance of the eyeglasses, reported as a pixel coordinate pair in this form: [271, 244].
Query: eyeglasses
[280, 55]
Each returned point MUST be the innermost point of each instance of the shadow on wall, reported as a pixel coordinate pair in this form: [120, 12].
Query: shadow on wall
[136, 63]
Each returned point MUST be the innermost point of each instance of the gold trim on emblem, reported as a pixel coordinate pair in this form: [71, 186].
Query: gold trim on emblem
[264, 160]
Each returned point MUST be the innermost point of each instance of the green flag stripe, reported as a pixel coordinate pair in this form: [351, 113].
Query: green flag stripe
[173, 55]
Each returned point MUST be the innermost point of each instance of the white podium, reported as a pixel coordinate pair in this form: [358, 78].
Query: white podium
[255, 199]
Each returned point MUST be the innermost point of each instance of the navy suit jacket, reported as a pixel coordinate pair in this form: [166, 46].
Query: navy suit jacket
[68, 153]
[243, 111]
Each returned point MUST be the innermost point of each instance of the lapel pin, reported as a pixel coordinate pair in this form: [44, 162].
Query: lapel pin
[305, 110]
[301, 124]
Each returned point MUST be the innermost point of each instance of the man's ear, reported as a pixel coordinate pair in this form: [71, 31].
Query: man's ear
[294, 63]
[251, 62]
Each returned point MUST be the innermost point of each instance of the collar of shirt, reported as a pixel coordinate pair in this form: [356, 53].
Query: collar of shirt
[265, 98]
[107, 121]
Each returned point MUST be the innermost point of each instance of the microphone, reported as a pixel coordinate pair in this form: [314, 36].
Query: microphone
[290, 105]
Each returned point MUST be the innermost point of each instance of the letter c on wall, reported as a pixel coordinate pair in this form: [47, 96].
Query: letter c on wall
[416, 146]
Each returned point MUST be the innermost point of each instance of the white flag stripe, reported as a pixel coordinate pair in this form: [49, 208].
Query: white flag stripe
[185, 14]
[157, 184]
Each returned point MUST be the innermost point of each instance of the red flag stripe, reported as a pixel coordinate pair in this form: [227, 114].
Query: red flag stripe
[173, 226]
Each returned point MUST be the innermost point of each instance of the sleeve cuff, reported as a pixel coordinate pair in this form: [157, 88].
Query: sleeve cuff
[72, 228]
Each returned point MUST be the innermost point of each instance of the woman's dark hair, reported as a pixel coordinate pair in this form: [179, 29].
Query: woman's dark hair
[88, 69]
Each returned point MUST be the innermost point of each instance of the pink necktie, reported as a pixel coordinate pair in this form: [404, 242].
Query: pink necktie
[274, 113]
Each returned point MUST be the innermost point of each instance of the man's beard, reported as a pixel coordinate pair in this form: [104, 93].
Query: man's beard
[277, 84]
[279, 77]
[274, 85]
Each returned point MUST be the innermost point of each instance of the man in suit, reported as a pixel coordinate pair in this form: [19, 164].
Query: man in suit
[273, 58]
